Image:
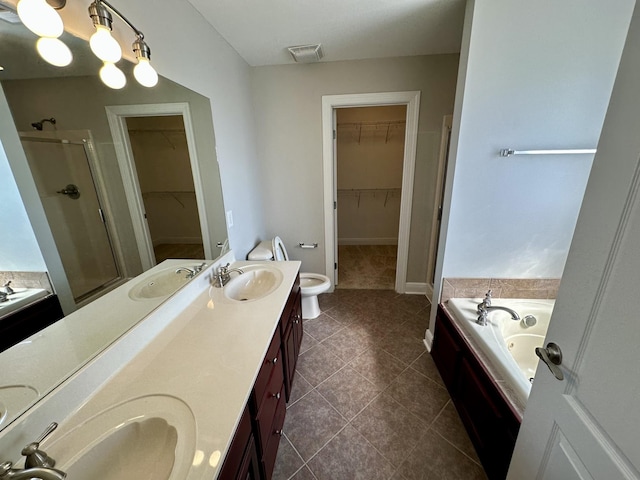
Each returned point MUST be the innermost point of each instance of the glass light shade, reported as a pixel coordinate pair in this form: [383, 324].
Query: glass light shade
[54, 51]
[112, 76]
[145, 74]
[40, 17]
[104, 46]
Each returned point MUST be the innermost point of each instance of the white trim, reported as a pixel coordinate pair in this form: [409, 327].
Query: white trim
[329, 103]
[438, 196]
[416, 288]
[428, 340]
[116, 116]
[368, 241]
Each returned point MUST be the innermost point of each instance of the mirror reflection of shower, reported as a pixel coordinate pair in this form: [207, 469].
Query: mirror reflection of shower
[40, 125]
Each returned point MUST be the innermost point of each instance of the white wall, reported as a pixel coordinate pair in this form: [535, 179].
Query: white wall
[19, 250]
[542, 83]
[288, 115]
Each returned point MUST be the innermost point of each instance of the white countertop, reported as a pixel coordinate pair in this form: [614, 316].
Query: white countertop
[48, 357]
[206, 351]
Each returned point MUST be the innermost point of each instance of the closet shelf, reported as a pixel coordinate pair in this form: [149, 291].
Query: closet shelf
[171, 193]
[358, 126]
[358, 192]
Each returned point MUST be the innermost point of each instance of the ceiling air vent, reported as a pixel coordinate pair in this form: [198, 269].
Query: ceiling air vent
[306, 53]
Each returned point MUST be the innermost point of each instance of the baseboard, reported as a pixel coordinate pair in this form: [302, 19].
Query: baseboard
[416, 288]
[368, 241]
[177, 240]
[428, 340]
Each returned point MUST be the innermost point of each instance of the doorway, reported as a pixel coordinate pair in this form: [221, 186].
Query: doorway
[63, 174]
[369, 155]
[161, 158]
[162, 193]
[330, 103]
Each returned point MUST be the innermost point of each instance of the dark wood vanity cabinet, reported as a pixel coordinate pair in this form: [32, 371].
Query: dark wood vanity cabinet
[488, 417]
[257, 444]
[291, 330]
[23, 323]
[242, 461]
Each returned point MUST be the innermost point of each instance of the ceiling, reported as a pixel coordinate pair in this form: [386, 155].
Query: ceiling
[261, 30]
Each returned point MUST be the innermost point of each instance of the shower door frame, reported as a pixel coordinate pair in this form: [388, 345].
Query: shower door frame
[117, 117]
[85, 138]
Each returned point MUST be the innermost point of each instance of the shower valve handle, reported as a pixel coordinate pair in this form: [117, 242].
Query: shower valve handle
[71, 191]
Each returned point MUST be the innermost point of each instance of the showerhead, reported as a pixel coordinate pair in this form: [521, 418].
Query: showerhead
[39, 125]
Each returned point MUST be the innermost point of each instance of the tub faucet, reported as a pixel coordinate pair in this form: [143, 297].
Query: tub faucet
[6, 288]
[42, 473]
[485, 307]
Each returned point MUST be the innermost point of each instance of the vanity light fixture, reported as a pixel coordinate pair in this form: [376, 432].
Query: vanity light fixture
[41, 18]
[107, 49]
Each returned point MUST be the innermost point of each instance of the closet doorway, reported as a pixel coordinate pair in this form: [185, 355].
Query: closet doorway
[164, 190]
[369, 164]
[161, 155]
[410, 101]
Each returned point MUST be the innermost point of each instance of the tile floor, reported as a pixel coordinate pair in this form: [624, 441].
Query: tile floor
[367, 266]
[178, 250]
[367, 401]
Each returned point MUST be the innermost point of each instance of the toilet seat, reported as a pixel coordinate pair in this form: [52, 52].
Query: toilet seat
[279, 250]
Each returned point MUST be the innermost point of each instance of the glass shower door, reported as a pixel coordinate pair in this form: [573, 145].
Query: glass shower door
[63, 177]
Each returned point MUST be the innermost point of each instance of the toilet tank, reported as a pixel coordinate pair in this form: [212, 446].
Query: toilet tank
[261, 252]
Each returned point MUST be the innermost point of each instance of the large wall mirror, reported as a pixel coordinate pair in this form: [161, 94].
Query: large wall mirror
[148, 193]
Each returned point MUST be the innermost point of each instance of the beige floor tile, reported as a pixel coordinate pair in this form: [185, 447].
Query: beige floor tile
[348, 392]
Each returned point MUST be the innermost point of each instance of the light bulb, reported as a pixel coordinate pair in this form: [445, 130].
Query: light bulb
[112, 76]
[54, 51]
[104, 46]
[145, 74]
[40, 17]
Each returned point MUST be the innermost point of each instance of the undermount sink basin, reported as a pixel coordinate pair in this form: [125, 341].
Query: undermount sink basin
[255, 283]
[151, 437]
[160, 284]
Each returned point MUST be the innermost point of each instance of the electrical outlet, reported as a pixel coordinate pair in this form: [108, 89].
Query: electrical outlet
[229, 219]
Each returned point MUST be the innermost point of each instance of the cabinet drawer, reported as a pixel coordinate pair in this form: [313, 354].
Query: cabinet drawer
[290, 307]
[267, 405]
[271, 362]
[273, 439]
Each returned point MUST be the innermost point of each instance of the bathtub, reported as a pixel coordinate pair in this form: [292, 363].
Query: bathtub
[505, 343]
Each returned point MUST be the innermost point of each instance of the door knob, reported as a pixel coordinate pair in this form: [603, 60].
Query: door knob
[552, 357]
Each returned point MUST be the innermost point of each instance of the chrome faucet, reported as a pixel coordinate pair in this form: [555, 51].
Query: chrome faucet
[224, 275]
[6, 288]
[42, 473]
[37, 463]
[485, 307]
[192, 272]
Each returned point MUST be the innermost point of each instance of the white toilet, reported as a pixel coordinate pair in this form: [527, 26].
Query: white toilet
[311, 284]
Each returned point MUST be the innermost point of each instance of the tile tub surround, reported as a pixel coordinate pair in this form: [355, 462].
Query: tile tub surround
[500, 288]
[27, 280]
[367, 400]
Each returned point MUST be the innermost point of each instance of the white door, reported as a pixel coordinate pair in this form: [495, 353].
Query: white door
[587, 426]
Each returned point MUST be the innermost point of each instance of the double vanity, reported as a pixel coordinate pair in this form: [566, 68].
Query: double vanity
[195, 390]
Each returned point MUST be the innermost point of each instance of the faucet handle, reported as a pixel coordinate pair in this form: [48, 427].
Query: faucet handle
[487, 299]
[36, 457]
[198, 268]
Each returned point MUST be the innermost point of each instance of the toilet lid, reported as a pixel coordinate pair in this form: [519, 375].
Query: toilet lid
[279, 251]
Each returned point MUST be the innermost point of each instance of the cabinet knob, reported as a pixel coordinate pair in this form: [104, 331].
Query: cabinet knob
[276, 396]
[275, 360]
[278, 432]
